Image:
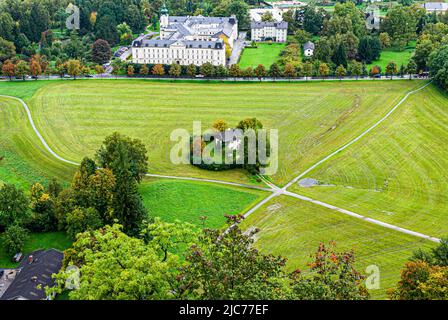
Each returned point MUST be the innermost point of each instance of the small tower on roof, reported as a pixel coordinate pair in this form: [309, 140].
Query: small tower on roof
[164, 16]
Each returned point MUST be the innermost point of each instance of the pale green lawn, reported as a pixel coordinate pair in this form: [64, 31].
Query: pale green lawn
[294, 229]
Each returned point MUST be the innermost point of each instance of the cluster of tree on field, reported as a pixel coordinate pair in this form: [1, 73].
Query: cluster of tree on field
[343, 39]
[102, 192]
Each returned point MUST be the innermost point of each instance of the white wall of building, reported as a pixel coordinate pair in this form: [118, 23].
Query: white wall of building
[180, 55]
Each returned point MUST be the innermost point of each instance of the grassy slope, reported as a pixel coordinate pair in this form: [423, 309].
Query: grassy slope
[266, 54]
[397, 174]
[312, 118]
[188, 201]
[296, 228]
[48, 240]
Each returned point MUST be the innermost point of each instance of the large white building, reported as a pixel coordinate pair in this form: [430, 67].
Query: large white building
[438, 7]
[187, 40]
[269, 31]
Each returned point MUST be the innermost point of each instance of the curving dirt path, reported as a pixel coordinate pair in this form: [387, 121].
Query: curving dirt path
[275, 191]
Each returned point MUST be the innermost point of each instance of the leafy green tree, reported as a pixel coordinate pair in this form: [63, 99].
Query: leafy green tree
[290, 71]
[207, 70]
[307, 69]
[267, 17]
[332, 276]
[125, 33]
[369, 49]
[235, 71]
[302, 36]
[106, 28]
[74, 68]
[127, 159]
[260, 71]
[385, 40]
[14, 206]
[191, 70]
[341, 71]
[6, 26]
[340, 55]
[400, 23]
[423, 50]
[135, 18]
[275, 71]
[43, 209]
[222, 71]
[118, 146]
[227, 266]
[7, 50]
[438, 66]
[235, 7]
[355, 68]
[391, 69]
[74, 47]
[324, 50]
[175, 70]
[14, 238]
[313, 19]
[114, 266]
[324, 70]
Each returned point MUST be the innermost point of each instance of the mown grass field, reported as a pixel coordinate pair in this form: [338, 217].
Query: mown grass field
[294, 229]
[311, 118]
[265, 54]
[398, 173]
[188, 201]
[36, 241]
[24, 159]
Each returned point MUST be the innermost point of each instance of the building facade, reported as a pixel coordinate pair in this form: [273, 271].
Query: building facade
[269, 31]
[187, 40]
